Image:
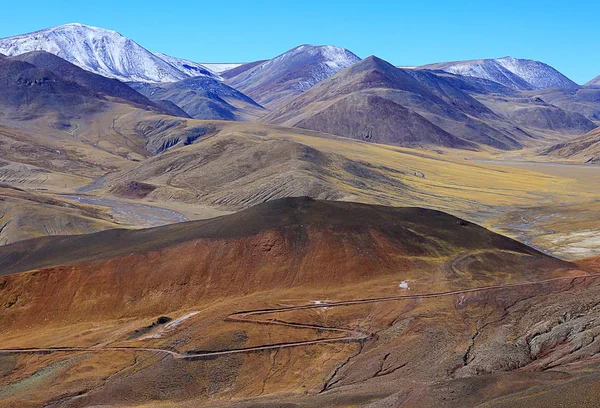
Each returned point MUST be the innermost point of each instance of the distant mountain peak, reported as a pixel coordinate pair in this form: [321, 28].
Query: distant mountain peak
[594, 82]
[278, 80]
[515, 73]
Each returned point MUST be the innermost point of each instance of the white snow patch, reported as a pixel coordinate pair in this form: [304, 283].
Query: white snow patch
[173, 324]
[218, 67]
[158, 333]
[404, 285]
[512, 72]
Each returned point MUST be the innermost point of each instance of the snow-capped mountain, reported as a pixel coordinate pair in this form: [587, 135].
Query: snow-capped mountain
[291, 73]
[98, 50]
[515, 73]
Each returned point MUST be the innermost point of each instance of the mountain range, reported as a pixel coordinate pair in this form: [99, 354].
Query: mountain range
[372, 99]
[503, 103]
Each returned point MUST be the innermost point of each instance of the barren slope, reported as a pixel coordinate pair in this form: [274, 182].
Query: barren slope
[583, 149]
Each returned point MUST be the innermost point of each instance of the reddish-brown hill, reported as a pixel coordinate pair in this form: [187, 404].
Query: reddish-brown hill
[288, 243]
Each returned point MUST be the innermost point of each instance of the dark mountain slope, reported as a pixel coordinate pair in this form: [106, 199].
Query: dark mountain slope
[204, 98]
[29, 92]
[94, 82]
[352, 117]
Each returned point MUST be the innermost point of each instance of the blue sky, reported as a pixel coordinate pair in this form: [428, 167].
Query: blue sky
[564, 34]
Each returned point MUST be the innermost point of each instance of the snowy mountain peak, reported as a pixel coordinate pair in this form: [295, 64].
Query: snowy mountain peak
[277, 80]
[335, 57]
[98, 50]
[515, 73]
[314, 63]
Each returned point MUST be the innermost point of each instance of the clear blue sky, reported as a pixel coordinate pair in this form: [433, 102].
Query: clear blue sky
[564, 34]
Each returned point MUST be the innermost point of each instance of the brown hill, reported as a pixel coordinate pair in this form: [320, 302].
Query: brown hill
[583, 149]
[25, 215]
[418, 232]
[379, 120]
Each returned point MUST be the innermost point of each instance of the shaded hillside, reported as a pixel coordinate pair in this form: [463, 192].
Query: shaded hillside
[379, 120]
[583, 149]
[277, 81]
[94, 82]
[29, 92]
[204, 98]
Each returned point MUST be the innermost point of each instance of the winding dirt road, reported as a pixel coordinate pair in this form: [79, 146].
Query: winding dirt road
[347, 335]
